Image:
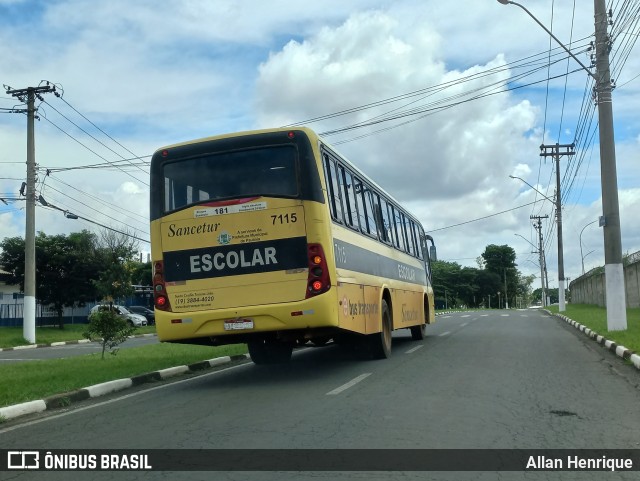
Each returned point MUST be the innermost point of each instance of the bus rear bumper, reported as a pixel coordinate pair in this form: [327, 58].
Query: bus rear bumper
[303, 319]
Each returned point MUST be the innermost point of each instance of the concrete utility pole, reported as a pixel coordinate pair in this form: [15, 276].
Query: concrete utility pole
[556, 153]
[29, 311]
[610, 222]
[506, 297]
[538, 227]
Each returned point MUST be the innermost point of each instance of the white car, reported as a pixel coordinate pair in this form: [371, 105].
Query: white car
[133, 319]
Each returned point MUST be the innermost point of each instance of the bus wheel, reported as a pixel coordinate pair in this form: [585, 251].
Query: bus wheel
[380, 342]
[269, 352]
[418, 333]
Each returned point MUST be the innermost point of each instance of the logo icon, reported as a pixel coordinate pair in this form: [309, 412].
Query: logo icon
[224, 238]
[23, 460]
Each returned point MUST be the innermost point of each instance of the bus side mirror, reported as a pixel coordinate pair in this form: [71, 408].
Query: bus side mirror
[433, 255]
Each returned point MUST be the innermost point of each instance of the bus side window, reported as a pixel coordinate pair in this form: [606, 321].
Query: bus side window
[351, 215]
[412, 234]
[411, 248]
[370, 206]
[393, 235]
[416, 240]
[336, 192]
[333, 190]
[402, 232]
[399, 225]
[382, 217]
[358, 188]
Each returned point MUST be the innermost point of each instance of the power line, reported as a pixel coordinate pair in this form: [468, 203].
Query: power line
[93, 151]
[484, 217]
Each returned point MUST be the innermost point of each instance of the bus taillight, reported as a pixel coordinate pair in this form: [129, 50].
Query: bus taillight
[161, 299]
[318, 280]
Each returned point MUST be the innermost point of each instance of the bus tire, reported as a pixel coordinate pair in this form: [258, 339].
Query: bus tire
[380, 342]
[269, 352]
[418, 333]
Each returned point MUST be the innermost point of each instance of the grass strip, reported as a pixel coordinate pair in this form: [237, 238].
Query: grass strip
[13, 336]
[595, 318]
[32, 380]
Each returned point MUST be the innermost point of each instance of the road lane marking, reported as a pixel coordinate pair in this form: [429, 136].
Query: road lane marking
[445, 333]
[413, 350]
[464, 324]
[466, 315]
[351, 383]
[120, 398]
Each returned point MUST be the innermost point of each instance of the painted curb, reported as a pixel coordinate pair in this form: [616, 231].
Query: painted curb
[65, 399]
[21, 409]
[617, 349]
[63, 343]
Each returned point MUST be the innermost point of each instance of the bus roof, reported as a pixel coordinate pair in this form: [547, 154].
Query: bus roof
[313, 137]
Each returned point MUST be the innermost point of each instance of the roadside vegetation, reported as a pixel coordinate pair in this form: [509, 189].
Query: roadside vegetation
[13, 336]
[595, 318]
[32, 380]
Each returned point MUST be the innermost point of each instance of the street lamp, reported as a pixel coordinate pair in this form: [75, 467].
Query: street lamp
[581, 243]
[521, 179]
[610, 222]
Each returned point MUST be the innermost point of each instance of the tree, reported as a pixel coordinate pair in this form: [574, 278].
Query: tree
[501, 260]
[64, 268]
[142, 274]
[490, 283]
[116, 252]
[108, 328]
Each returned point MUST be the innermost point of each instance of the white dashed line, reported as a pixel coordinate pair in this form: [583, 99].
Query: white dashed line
[351, 383]
[446, 333]
[413, 350]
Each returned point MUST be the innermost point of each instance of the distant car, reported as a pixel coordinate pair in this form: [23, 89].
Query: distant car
[146, 312]
[133, 319]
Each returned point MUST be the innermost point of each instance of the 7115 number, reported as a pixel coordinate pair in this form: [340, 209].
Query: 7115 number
[284, 219]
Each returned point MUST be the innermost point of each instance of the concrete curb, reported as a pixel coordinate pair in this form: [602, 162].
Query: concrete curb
[55, 344]
[66, 399]
[618, 350]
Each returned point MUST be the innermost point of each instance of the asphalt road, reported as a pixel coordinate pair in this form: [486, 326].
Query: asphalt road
[492, 380]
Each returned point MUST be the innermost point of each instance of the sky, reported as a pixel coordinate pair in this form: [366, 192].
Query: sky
[455, 98]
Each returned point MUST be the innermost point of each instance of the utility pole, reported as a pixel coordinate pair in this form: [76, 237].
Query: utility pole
[29, 95]
[506, 297]
[538, 227]
[610, 221]
[554, 151]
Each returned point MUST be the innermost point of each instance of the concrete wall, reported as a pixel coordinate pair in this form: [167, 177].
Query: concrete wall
[590, 288]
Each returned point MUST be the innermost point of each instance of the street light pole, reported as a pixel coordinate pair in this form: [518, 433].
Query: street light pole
[581, 256]
[610, 221]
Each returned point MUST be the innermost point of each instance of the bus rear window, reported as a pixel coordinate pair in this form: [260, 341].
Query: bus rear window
[265, 171]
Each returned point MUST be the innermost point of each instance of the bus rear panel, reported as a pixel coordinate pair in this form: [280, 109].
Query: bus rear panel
[233, 247]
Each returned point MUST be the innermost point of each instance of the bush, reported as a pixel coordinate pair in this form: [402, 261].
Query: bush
[109, 329]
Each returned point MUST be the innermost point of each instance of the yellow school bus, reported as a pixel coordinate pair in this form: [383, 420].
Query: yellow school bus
[273, 239]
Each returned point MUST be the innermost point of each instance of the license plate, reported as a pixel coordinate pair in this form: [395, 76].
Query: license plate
[238, 324]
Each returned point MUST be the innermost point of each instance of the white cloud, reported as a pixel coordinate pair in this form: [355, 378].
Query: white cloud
[155, 73]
